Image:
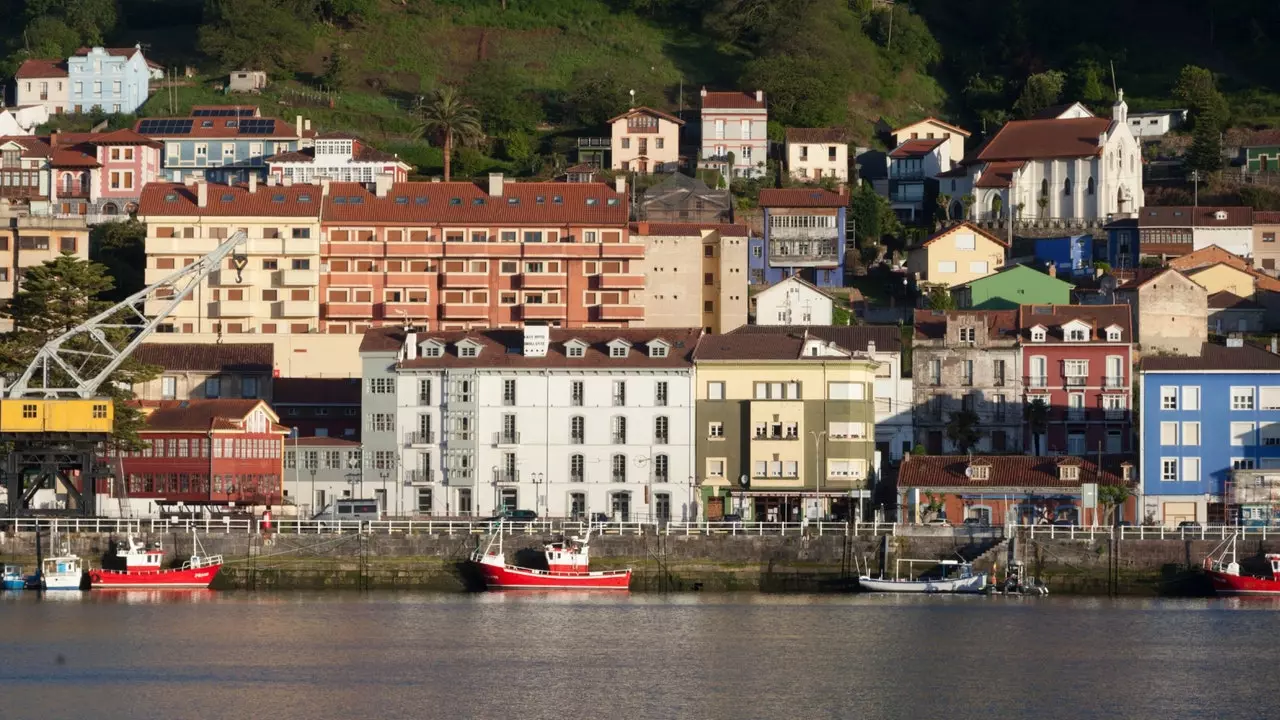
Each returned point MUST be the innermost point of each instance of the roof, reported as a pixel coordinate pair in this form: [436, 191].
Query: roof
[1224, 300]
[1215, 356]
[69, 158]
[935, 121]
[801, 281]
[202, 357]
[662, 229]
[1024, 471]
[1053, 317]
[914, 148]
[816, 135]
[360, 153]
[123, 136]
[532, 203]
[310, 442]
[118, 52]
[932, 324]
[732, 100]
[1266, 217]
[998, 174]
[581, 168]
[203, 415]
[1039, 276]
[1055, 111]
[966, 226]
[1211, 255]
[501, 348]
[315, 391]
[647, 111]
[1056, 138]
[1136, 278]
[35, 68]
[888, 338]
[1261, 138]
[176, 199]
[217, 127]
[1188, 216]
[783, 344]
[802, 197]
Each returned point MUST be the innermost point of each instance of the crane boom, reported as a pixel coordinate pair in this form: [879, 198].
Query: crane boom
[104, 341]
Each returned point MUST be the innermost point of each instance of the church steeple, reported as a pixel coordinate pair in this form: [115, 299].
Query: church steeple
[1120, 111]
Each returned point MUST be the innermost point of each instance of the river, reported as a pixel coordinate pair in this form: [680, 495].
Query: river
[202, 655]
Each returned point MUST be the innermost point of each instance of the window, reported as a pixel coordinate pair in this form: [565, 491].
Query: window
[1037, 334]
[1190, 469]
[380, 422]
[935, 371]
[1168, 398]
[968, 334]
[787, 391]
[1168, 433]
[847, 430]
[577, 468]
[661, 430]
[966, 372]
[576, 393]
[619, 468]
[715, 430]
[1113, 334]
[1038, 376]
[1076, 372]
[168, 388]
[1270, 433]
[1242, 464]
[213, 387]
[1169, 469]
[618, 351]
[965, 241]
[424, 392]
[577, 430]
[661, 468]
[619, 433]
[947, 266]
[1190, 433]
[660, 394]
[619, 393]
[1077, 335]
[1242, 433]
[1241, 398]
[978, 267]
[715, 391]
[509, 392]
[1269, 398]
[249, 388]
[575, 351]
[382, 386]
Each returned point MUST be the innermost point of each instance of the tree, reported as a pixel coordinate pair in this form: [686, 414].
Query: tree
[940, 298]
[502, 98]
[1112, 497]
[50, 37]
[337, 68]
[1197, 90]
[260, 34]
[1038, 421]
[1040, 91]
[872, 215]
[1205, 154]
[1086, 82]
[447, 115]
[121, 248]
[963, 430]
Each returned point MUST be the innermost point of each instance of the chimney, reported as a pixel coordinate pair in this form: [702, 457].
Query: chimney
[759, 96]
[382, 184]
[306, 124]
[202, 194]
[495, 184]
[189, 181]
[272, 180]
[324, 187]
[411, 345]
[703, 93]
[1275, 339]
[642, 228]
[287, 182]
[871, 347]
[53, 138]
[253, 183]
[620, 184]
[297, 121]
[1126, 471]
[1053, 269]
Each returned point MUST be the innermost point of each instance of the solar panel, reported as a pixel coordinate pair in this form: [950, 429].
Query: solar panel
[222, 112]
[165, 126]
[257, 126]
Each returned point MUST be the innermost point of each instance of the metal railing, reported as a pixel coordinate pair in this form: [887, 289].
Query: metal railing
[1036, 381]
[420, 437]
[415, 476]
[506, 438]
[1112, 382]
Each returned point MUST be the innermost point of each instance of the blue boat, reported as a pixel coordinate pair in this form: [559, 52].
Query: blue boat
[12, 578]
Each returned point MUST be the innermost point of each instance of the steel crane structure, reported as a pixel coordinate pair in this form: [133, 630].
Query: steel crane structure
[52, 418]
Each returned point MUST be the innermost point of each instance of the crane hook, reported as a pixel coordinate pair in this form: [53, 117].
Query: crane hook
[240, 260]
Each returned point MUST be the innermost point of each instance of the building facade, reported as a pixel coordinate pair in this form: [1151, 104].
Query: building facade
[804, 234]
[1208, 422]
[1169, 232]
[42, 82]
[1170, 311]
[817, 153]
[913, 170]
[223, 144]
[684, 199]
[319, 407]
[794, 302]
[695, 275]
[785, 428]
[117, 80]
[957, 255]
[932, 128]
[1266, 251]
[1011, 287]
[735, 124]
[564, 422]
[191, 371]
[31, 241]
[340, 157]
[645, 141]
[319, 470]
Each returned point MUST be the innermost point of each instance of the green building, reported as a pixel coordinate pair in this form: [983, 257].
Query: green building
[1011, 287]
[1265, 155]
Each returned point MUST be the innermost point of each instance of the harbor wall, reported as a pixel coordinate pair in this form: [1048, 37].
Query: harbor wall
[768, 563]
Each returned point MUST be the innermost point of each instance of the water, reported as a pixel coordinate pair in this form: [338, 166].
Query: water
[335, 655]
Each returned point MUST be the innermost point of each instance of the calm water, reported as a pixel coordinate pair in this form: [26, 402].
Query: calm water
[230, 655]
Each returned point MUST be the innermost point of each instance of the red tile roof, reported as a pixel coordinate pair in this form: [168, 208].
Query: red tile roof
[888, 338]
[782, 343]
[802, 198]
[916, 148]
[647, 111]
[1210, 255]
[521, 203]
[35, 69]
[202, 357]
[1224, 300]
[1201, 216]
[936, 121]
[1000, 324]
[280, 130]
[32, 146]
[998, 174]
[663, 229]
[1215, 356]
[1266, 217]
[166, 199]
[1053, 317]
[495, 345]
[963, 226]
[1028, 139]
[1137, 277]
[70, 158]
[730, 101]
[204, 415]
[821, 136]
[360, 153]
[123, 136]
[1006, 471]
[315, 391]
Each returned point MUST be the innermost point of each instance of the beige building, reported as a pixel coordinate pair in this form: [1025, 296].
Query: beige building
[645, 141]
[190, 371]
[816, 153]
[1266, 250]
[957, 255]
[1170, 311]
[28, 241]
[695, 275]
[276, 293]
[310, 355]
[933, 128]
[42, 82]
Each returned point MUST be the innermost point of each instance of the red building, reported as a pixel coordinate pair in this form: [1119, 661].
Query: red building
[207, 452]
[319, 407]
[1077, 359]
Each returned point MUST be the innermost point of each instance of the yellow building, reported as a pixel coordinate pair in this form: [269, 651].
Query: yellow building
[645, 141]
[957, 255]
[695, 275]
[785, 427]
[932, 128]
[1221, 277]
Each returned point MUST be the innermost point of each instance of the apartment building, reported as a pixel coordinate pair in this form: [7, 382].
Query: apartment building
[644, 140]
[340, 157]
[735, 124]
[816, 153]
[223, 144]
[116, 80]
[804, 234]
[564, 422]
[191, 371]
[28, 241]
[786, 426]
[695, 275]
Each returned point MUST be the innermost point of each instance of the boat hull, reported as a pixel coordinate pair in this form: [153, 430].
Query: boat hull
[12, 584]
[1228, 584]
[184, 578]
[62, 581]
[974, 584]
[501, 577]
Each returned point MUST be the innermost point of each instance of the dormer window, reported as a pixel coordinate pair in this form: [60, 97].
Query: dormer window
[968, 335]
[1069, 472]
[432, 349]
[1114, 334]
[468, 348]
[1076, 335]
[658, 349]
[575, 348]
[1075, 331]
[1038, 333]
[979, 472]
[617, 351]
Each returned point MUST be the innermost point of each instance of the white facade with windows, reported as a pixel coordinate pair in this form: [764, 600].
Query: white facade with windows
[793, 302]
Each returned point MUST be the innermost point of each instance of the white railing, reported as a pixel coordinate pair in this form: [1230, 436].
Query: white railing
[1142, 532]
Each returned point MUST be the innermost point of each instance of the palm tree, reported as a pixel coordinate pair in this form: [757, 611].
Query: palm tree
[1038, 421]
[447, 113]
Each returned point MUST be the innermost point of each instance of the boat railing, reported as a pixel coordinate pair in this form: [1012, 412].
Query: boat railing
[202, 561]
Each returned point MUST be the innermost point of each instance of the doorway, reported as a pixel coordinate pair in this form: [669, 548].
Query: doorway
[715, 508]
[620, 506]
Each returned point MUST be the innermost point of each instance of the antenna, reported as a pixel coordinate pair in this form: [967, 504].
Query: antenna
[1113, 76]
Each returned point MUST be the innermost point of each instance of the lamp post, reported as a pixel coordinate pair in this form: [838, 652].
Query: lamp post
[384, 473]
[537, 490]
[313, 490]
[495, 489]
[817, 465]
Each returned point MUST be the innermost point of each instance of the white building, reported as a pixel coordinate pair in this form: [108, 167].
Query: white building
[22, 120]
[816, 153]
[561, 422]
[1154, 124]
[319, 470]
[793, 302]
[1075, 168]
[736, 123]
[337, 156]
[43, 82]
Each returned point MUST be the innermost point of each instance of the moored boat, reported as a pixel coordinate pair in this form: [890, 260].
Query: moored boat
[1224, 572]
[143, 568]
[568, 562]
[62, 572]
[12, 578]
[955, 577]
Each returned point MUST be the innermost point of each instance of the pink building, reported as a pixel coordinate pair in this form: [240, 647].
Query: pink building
[119, 164]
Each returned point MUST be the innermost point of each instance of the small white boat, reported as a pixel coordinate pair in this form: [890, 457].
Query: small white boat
[64, 572]
[956, 577]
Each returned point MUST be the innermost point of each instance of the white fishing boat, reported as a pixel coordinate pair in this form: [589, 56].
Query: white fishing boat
[64, 572]
[955, 577]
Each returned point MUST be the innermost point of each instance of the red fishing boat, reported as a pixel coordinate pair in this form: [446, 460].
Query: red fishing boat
[567, 567]
[143, 567]
[1224, 572]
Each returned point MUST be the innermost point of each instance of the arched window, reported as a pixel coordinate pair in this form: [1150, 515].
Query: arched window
[1089, 186]
[619, 466]
[1066, 186]
[619, 430]
[661, 468]
[1044, 186]
[577, 468]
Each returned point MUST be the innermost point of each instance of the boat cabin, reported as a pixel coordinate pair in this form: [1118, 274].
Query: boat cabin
[567, 555]
[140, 556]
[61, 565]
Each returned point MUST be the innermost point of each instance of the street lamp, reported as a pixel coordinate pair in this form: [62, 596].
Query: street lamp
[495, 489]
[537, 490]
[311, 504]
[384, 472]
[817, 465]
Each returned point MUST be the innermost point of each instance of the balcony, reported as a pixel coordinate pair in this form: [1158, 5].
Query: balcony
[506, 476]
[789, 253]
[506, 438]
[1112, 382]
[412, 249]
[1037, 381]
[298, 309]
[767, 435]
[1075, 414]
[409, 279]
[898, 172]
[620, 312]
[301, 277]
[1113, 414]
[420, 437]
[356, 249]
[232, 309]
[464, 280]
[419, 477]
[617, 282]
[540, 311]
[360, 310]
[594, 142]
[464, 311]
[1077, 381]
[543, 281]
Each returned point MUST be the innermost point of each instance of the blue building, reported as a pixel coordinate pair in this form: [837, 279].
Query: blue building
[1072, 255]
[1210, 431]
[222, 143]
[804, 234]
[118, 80]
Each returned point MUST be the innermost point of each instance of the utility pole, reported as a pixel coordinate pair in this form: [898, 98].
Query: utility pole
[1195, 178]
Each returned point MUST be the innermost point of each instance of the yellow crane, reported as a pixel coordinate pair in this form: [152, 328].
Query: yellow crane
[52, 416]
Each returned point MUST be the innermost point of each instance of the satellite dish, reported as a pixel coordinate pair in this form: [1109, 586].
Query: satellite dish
[968, 471]
[743, 480]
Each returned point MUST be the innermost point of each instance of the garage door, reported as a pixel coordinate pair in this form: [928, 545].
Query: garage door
[1176, 512]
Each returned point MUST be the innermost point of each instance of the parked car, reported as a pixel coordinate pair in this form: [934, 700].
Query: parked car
[939, 522]
[731, 518]
[514, 516]
[976, 522]
[1188, 525]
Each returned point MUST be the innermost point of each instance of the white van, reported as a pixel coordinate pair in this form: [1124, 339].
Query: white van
[348, 509]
